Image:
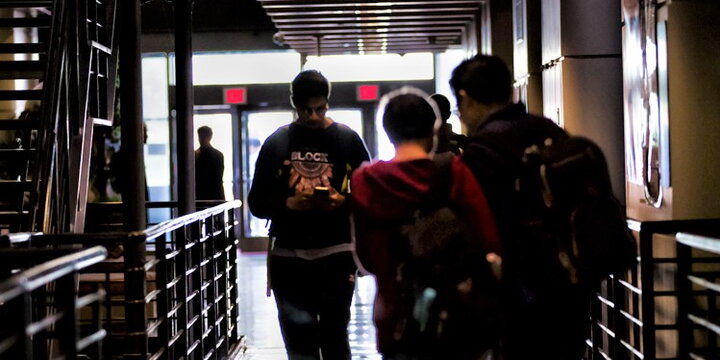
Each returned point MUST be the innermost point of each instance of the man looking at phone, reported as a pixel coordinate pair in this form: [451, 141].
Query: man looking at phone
[301, 185]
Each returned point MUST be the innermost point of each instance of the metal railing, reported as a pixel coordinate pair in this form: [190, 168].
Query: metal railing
[40, 306]
[78, 93]
[102, 216]
[635, 315]
[174, 292]
[699, 285]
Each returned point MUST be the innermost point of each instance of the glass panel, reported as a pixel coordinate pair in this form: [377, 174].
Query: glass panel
[221, 124]
[226, 68]
[388, 67]
[259, 125]
[386, 150]
[445, 63]
[155, 115]
[350, 117]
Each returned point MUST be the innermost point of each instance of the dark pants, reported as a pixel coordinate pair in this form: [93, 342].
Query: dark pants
[313, 300]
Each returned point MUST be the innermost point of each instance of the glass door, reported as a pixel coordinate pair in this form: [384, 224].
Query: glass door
[222, 126]
[258, 126]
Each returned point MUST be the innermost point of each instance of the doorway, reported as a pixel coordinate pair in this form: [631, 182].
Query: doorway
[221, 124]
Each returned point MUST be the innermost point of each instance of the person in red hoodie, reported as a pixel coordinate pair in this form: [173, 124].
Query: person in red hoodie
[388, 193]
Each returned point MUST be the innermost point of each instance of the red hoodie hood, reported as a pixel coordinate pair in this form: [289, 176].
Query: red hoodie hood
[391, 190]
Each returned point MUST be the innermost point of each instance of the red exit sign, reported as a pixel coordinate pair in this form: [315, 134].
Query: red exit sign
[236, 95]
[368, 92]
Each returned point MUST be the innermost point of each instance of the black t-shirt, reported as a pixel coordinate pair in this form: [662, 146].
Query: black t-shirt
[296, 158]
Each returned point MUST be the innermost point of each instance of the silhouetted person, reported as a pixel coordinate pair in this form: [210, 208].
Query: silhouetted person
[209, 167]
[447, 139]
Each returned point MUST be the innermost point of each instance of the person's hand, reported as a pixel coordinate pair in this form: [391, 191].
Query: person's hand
[302, 201]
[335, 200]
[329, 200]
[495, 261]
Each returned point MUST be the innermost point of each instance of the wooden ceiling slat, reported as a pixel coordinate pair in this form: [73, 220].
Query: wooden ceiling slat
[342, 26]
[320, 28]
[418, 40]
[366, 3]
[292, 12]
[369, 47]
[370, 30]
[399, 50]
[367, 18]
[373, 35]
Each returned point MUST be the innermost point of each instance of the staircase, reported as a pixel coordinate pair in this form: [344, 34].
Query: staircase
[58, 63]
[22, 70]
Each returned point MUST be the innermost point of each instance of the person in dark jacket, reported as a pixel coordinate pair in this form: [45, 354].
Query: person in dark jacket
[448, 141]
[209, 168]
[536, 299]
[301, 184]
[388, 193]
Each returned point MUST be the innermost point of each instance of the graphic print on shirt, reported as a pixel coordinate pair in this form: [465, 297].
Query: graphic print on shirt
[309, 169]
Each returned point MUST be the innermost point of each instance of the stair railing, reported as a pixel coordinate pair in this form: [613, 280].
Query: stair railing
[79, 94]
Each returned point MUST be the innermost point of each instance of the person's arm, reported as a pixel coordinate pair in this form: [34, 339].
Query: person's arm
[221, 165]
[267, 196]
[358, 152]
[469, 197]
[371, 242]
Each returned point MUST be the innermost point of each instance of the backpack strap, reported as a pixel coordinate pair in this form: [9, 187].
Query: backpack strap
[440, 181]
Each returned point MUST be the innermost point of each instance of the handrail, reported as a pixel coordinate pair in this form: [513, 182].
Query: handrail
[159, 204]
[40, 305]
[702, 242]
[15, 239]
[204, 263]
[172, 224]
[37, 276]
[634, 295]
[696, 287]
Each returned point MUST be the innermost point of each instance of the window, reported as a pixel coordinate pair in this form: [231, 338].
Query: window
[386, 67]
[229, 68]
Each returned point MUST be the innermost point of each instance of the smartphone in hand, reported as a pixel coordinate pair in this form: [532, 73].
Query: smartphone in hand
[321, 193]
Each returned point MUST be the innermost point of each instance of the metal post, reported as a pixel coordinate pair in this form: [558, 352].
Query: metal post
[647, 272]
[184, 106]
[134, 184]
[133, 192]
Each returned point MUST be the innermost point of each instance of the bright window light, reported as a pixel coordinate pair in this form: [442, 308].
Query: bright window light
[232, 68]
[386, 67]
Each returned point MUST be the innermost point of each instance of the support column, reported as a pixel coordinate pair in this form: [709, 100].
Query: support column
[184, 106]
[133, 192]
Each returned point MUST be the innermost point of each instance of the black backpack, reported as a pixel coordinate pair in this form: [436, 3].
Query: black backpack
[448, 295]
[565, 191]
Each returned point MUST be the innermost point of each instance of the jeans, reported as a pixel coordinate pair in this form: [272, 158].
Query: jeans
[313, 299]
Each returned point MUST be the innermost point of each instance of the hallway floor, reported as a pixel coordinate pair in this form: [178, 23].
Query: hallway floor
[258, 317]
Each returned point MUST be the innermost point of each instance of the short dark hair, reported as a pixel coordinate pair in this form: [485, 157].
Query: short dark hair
[408, 117]
[307, 85]
[443, 105]
[204, 131]
[485, 78]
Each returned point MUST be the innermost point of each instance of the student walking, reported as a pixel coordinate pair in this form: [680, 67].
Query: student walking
[301, 185]
[435, 296]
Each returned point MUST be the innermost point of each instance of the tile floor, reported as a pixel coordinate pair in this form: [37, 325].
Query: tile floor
[259, 315]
